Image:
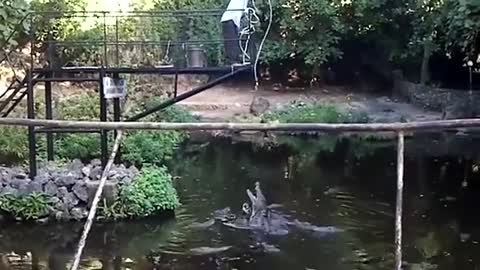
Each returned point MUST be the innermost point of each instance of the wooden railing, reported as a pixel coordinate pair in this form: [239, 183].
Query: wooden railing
[398, 128]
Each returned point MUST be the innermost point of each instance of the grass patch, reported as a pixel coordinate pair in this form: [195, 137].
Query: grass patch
[314, 113]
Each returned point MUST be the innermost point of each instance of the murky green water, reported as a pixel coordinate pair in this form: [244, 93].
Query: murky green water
[350, 186]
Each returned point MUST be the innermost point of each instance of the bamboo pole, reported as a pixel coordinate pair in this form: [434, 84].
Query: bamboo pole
[292, 127]
[399, 202]
[96, 199]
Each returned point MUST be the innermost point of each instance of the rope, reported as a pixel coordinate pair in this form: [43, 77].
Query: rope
[96, 200]
[270, 20]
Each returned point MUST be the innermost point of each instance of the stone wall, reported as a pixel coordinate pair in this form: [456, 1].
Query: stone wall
[70, 187]
[454, 103]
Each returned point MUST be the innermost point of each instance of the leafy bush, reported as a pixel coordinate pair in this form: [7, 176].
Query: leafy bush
[150, 193]
[13, 143]
[153, 147]
[78, 146]
[27, 207]
[313, 113]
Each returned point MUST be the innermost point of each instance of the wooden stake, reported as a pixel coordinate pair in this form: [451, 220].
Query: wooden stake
[96, 199]
[399, 203]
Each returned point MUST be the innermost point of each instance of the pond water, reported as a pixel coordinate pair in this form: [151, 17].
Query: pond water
[349, 185]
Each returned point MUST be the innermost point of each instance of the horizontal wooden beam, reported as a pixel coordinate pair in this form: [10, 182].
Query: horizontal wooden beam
[292, 127]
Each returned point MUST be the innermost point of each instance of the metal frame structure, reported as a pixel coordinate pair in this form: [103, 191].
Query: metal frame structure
[51, 72]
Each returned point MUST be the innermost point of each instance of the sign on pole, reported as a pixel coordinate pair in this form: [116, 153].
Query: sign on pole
[114, 88]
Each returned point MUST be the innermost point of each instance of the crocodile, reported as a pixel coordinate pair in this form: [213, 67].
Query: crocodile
[258, 216]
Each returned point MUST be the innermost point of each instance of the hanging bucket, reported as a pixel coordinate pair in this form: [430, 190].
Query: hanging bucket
[196, 56]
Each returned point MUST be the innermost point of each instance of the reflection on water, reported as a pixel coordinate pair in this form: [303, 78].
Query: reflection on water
[350, 185]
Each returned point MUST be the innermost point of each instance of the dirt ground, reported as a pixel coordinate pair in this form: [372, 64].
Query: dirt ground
[226, 101]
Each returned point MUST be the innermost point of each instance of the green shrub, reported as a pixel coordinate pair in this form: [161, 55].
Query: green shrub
[27, 207]
[152, 147]
[78, 146]
[151, 192]
[13, 143]
[313, 113]
[84, 107]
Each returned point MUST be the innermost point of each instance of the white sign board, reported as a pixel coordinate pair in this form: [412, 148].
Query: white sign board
[114, 88]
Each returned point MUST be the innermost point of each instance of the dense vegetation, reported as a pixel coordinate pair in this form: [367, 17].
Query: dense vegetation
[328, 40]
[150, 193]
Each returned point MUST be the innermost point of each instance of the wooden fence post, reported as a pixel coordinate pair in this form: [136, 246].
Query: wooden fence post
[399, 203]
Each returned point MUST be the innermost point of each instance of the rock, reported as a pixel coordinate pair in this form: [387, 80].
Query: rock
[42, 179]
[75, 166]
[43, 220]
[126, 180]
[80, 190]
[21, 175]
[110, 191]
[66, 180]
[96, 163]
[259, 105]
[86, 171]
[31, 188]
[9, 190]
[70, 200]
[18, 183]
[96, 173]
[54, 200]
[50, 189]
[79, 213]
[62, 192]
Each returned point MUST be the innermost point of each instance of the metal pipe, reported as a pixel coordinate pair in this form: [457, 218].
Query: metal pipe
[49, 116]
[116, 118]
[31, 111]
[103, 118]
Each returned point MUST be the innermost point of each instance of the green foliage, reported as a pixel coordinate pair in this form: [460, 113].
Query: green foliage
[78, 146]
[13, 143]
[153, 147]
[313, 113]
[156, 147]
[83, 107]
[26, 207]
[11, 14]
[152, 192]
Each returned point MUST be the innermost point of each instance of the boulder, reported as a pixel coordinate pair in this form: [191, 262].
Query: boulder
[259, 106]
[42, 178]
[75, 166]
[9, 190]
[96, 173]
[67, 180]
[18, 183]
[78, 213]
[96, 163]
[62, 192]
[110, 191]
[70, 200]
[80, 190]
[86, 171]
[50, 188]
